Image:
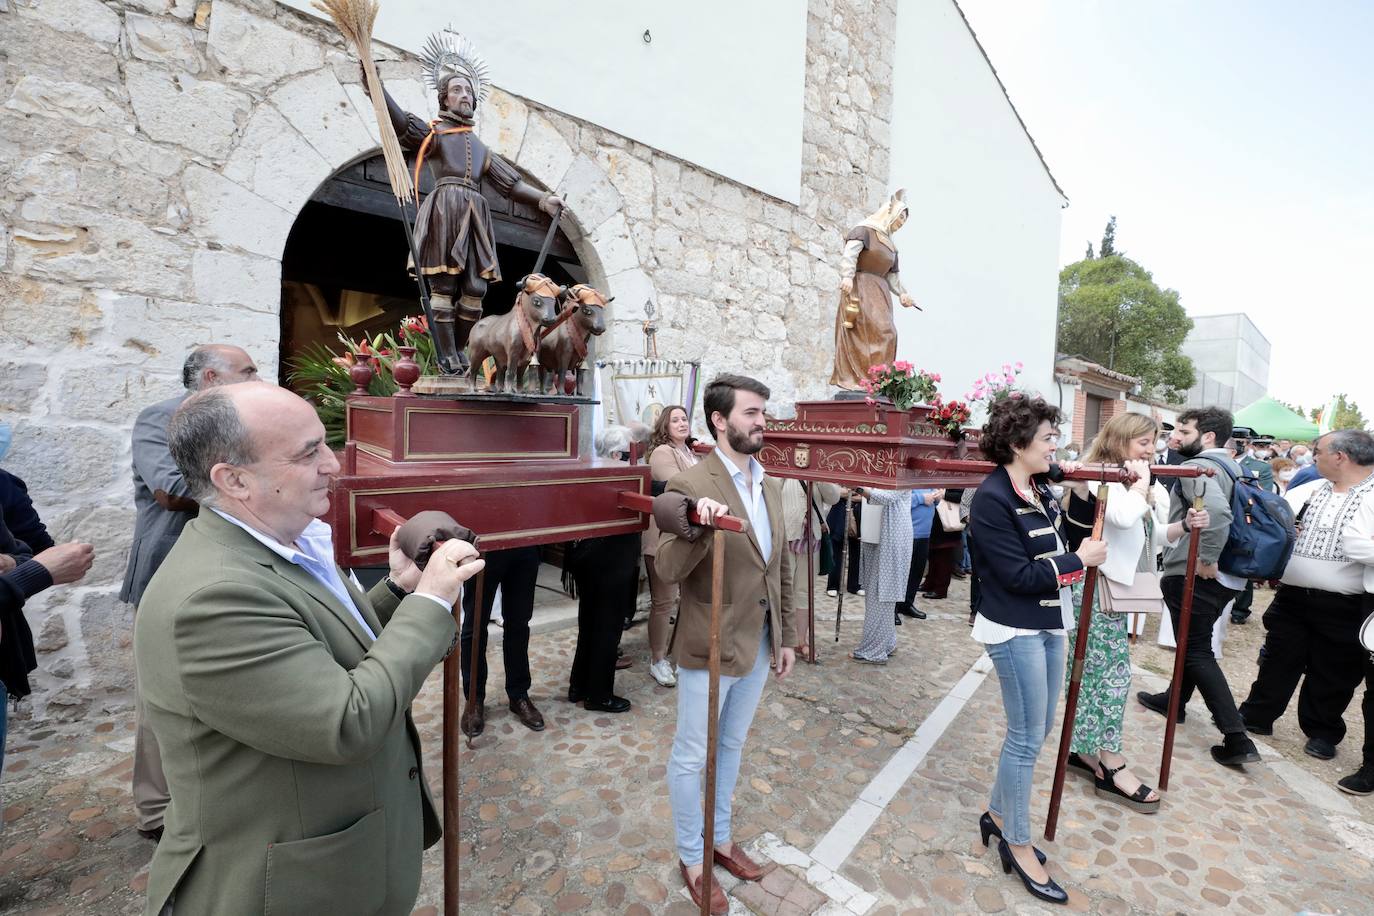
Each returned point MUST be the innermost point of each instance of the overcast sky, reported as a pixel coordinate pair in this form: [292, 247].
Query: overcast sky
[1234, 142]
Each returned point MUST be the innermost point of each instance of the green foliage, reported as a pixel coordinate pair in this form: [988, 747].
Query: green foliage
[1108, 246]
[320, 375]
[1297, 409]
[1112, 312]
[1348, 415]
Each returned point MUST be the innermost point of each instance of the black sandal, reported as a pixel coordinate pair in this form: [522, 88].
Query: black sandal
[1078, 763]
[1137, 800]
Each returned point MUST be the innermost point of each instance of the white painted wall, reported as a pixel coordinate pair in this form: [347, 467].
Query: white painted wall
[720, 85]
[980, 252]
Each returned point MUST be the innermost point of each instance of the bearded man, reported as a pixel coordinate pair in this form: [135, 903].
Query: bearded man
[758, 627]
[453, 229]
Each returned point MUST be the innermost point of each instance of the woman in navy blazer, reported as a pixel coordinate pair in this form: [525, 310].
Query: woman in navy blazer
[1023, 611]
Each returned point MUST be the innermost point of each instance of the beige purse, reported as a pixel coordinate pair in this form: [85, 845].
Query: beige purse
[1143, 596]
[948, 513]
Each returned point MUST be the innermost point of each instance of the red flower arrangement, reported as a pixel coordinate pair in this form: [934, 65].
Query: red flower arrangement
[951, 417]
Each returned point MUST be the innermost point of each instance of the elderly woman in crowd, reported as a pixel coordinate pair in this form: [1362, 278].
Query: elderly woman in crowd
[883, 569]
[1019, 550]
[606, 571]
[670, 452]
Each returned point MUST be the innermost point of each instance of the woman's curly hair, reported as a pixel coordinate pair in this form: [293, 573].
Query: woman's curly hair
[1013, 422]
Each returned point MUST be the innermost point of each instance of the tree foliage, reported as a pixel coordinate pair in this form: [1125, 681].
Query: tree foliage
[1348, 415]
[1108, 246]
[1112, 312]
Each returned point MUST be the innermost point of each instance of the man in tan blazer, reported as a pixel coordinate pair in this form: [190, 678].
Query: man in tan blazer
[279, 692]
[758, 629]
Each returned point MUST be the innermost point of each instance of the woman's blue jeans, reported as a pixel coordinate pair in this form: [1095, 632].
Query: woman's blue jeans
[1031, 670]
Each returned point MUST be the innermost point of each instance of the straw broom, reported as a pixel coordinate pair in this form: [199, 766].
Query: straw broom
[354, 19]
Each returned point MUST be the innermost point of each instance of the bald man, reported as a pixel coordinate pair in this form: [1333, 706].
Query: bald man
[164, 507]
[281, 692]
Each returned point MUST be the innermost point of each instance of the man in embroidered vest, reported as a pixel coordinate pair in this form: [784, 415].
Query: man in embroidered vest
[453, 228]
[1312, 625]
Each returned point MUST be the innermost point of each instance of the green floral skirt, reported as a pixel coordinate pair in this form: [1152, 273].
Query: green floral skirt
[1106, 680]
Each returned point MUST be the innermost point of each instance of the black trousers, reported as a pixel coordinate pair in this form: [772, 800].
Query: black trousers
[835, 522]
[607, 572]
[1200, 668]
[1367, 706]
[943, 557]
[514, 572]
[1313, 633]
[1241, 609]
[920, 550]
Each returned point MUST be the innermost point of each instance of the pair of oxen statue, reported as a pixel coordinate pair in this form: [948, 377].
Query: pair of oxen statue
[548, 321]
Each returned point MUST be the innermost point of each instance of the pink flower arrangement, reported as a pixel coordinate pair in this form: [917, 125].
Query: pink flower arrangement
[995, 386]
[901, 383]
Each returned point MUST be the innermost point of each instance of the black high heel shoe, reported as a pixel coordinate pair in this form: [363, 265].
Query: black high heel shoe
[1050, 892]
[988, 827]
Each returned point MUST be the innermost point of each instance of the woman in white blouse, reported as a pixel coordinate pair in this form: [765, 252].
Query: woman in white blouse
[1135, 526]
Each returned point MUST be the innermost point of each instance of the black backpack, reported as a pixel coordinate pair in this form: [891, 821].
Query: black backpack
[1262, 531]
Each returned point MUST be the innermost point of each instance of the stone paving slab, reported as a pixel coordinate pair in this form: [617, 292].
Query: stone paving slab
[576, 819]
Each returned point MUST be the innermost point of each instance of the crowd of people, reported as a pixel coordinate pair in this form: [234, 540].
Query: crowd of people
[258, 654]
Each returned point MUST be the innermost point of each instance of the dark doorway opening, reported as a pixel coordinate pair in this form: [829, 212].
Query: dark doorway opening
[344, 266]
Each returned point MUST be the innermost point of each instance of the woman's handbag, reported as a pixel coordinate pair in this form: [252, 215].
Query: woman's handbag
[1142, 596]
[1367, 628]
[948, 513]
[871, 525]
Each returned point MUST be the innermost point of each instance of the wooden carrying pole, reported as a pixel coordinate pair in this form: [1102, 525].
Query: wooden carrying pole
[810, 574]
[712, 719]
[1080, 650]
[1185, 614]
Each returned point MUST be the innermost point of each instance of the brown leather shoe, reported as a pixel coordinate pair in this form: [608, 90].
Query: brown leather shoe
[529, 716]
[474, 719]
[719, 905]
[739, 864]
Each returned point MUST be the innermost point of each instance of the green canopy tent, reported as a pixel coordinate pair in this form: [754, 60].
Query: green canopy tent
[1268, 417]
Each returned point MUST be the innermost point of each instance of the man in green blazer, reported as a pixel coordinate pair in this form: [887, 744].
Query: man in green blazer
[279, 692]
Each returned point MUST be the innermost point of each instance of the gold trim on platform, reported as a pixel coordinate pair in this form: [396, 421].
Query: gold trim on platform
[408, 455]
[348, 418]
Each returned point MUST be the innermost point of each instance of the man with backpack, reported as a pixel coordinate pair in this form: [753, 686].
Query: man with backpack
[1313, 624]
[1200, 435]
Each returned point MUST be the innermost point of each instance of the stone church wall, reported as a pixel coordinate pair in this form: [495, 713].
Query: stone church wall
[154, 154]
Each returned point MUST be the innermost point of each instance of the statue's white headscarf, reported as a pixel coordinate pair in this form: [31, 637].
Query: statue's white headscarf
[883, 218]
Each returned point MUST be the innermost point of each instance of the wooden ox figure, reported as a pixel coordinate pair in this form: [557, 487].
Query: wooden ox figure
[511, 338]
[565, 347]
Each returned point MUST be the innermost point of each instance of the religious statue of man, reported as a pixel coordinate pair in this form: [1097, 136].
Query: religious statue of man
[865, 334]
[453, 230]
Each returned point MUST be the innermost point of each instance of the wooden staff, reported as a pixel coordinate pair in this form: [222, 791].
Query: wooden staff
[1185, 614]
[712, 718]
[844, 563]
[1080, 650]
[453, 688]
[810, 576]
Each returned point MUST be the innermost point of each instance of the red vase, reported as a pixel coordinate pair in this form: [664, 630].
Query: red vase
[360, 373]
[406, 372]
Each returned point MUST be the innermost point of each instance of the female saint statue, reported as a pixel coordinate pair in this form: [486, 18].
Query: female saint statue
[864, 332]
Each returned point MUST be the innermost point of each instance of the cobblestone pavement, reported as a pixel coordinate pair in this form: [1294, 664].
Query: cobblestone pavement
[576, 819]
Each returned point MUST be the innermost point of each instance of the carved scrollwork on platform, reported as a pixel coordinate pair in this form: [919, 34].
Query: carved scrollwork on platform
[796, 426]
[869, 463]
[772, 456]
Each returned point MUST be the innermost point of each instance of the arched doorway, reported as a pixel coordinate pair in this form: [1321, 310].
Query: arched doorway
[344, 264]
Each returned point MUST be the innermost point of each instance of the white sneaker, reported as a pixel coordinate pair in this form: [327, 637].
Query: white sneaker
[861, 593]
[662, 671]
[831, 593]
